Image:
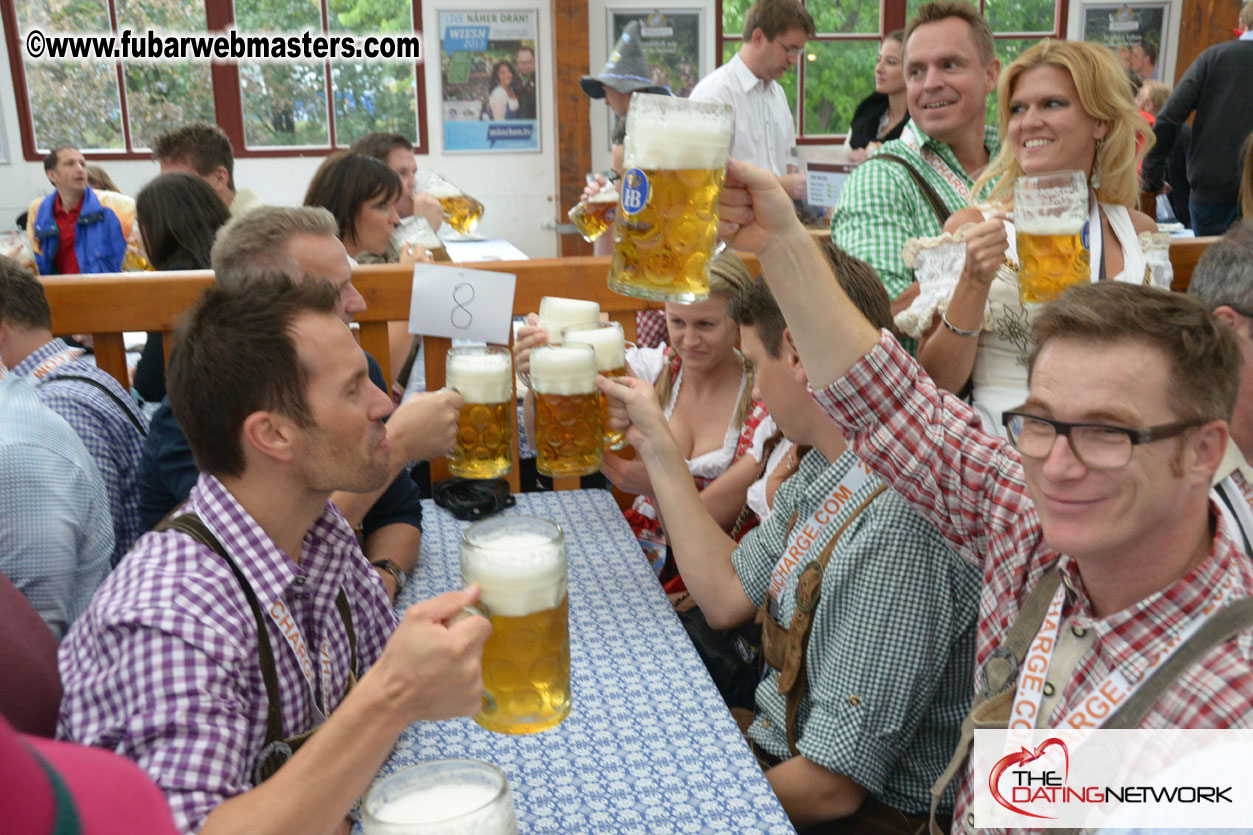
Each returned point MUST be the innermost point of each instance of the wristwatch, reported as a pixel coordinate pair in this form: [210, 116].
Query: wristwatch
[391, 568]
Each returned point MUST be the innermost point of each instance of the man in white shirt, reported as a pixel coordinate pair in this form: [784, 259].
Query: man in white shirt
[775, 32]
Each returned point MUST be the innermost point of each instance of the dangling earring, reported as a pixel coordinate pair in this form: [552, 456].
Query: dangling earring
[1095, 179]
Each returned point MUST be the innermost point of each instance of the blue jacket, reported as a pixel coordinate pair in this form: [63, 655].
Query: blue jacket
[98, 239]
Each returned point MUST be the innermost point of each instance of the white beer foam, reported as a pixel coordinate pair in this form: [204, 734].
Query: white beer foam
[436, 803]
[520, 572]
[481, 378]
[443, 190]
[604, 197]
[563, 371]
[556, 313]
[606, 342]
[1071, 225]
[675, 140]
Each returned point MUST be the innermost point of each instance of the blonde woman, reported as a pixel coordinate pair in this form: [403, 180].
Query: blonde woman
[1063, 105]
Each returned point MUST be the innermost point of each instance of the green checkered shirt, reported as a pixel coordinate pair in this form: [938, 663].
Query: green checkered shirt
[880, 207]
[891, 651]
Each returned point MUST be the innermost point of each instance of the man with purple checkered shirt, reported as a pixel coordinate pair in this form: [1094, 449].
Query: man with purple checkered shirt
[95, 406]
[1101, 500]
[163, 668]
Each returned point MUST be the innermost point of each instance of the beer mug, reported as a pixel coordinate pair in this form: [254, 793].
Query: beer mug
[462, 211]
[483, 376]
[595, 214]
[569, 422]
[556, 314]
[609, 345]
[441, 796]
[666, 229]
[1050, 222]
[519, 563]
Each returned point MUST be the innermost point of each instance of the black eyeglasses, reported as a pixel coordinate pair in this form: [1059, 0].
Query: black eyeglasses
[1098, 446]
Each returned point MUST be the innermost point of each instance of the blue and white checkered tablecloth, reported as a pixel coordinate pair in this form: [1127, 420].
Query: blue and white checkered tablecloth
[648, 747]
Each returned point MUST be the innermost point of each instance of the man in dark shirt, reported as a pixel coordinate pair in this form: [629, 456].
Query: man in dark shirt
[524, 83]
[302, 243]
[1216, 86]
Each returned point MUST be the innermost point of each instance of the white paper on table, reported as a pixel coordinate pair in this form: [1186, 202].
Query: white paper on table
[460, 303]
[488, 249]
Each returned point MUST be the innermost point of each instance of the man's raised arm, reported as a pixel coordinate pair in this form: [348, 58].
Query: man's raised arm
[756, 215]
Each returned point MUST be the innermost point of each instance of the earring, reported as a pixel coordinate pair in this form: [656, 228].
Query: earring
[1095, 179]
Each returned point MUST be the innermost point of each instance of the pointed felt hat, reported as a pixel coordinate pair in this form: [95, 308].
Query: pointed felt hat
[626, 70]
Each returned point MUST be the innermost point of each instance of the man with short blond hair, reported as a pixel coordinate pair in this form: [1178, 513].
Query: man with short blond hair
[775, 32]
[911, 186]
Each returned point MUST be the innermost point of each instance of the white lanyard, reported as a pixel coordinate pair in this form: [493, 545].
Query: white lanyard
[282, 616]
[55, 361]
[803, 536]
[941, 167]
[1240, 513]
[1095, 709]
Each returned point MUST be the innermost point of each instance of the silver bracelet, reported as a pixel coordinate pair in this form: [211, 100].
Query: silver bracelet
[954, 328]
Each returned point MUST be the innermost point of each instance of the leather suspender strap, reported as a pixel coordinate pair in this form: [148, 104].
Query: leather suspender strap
[191, 525]
[999, 675]
[942, 211]
[793, 643]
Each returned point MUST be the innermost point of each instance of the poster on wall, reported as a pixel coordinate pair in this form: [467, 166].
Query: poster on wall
[488, 72]
[673, 43]
[1137, 32]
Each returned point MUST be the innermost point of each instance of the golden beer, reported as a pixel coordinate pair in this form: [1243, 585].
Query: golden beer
[483, 376]
[1050, 219]
[569, 420]
[1048, 264]
[594, 215]
[462, 212]
[609, 345]
[520, 564]
[666, 228]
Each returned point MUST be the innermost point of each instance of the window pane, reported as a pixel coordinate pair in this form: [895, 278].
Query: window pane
[374, 97]
[1006, 50]
[284, 104]
[160, 97]
[62, 16]
[278, 15]
[156, 14]
[1020, 15]
[75, 104]
[832, 16]
[733, 12]
[840, 75]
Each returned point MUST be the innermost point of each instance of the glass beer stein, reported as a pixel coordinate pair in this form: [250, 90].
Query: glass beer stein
[462, 211]
[483, 376]
[557, 313]
[520, 564]
[569, 422]
[1050, 219]
[595, 214]
[666, 228]
[442, 797]
[609, 345]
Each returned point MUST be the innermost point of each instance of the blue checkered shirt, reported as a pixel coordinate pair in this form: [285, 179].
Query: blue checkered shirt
[111, 437]
[55, 535]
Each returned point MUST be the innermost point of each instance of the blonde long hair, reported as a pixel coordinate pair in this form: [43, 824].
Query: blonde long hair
[1104, 94]
[728, 276]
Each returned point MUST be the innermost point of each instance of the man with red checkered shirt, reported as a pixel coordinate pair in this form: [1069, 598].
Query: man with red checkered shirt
[1101, 510]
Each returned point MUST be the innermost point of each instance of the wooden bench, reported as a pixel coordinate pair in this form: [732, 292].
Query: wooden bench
[108, 305]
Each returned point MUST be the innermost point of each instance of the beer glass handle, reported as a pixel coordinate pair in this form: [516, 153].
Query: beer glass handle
[722, 245]
[478, 610]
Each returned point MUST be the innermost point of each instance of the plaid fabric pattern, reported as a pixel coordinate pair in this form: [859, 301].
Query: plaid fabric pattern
[162, 668]
[650, 329]
[970, 486]
[55, 533]
[109, 435]
[891, 650]
[880, 207]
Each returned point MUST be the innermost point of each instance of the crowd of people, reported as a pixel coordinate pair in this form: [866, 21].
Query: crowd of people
[871, 467]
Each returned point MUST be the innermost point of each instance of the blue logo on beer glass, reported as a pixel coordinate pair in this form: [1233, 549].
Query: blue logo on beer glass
[634, 191]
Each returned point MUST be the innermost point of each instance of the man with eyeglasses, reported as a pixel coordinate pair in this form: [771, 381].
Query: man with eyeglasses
[1223, 282]
[775, 32]
[1102, 513]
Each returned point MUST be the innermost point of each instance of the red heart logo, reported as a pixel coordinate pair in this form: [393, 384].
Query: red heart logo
[1020, 758]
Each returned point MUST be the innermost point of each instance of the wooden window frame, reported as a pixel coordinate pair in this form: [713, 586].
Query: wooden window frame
[227, 94]
[891, 17]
